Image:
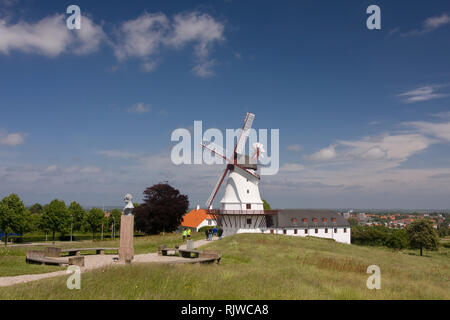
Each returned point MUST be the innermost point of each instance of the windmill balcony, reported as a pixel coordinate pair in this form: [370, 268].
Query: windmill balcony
[243, 212]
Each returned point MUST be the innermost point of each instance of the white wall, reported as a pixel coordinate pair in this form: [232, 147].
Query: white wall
[339, 236]
[205, 224]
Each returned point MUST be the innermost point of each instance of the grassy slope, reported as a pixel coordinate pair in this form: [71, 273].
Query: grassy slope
[263, 267]
[12, 259]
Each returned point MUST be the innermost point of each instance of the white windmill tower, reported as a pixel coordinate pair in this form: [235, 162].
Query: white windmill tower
[241, 207]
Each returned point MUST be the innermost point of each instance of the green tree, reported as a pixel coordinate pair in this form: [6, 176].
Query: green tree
[353, 221]
[94, 220]
[36, 208]
[55, 217]
[421, 234]
[114, 219]
[266, 205]
[398, 239]
[14, 218]
[77, 215]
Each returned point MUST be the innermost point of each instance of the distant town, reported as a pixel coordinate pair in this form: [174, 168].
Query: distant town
[396, 219]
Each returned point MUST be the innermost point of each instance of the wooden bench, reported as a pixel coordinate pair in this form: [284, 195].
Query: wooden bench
[163, 250]
[39, 257]
[77, 251]
[189, 253]
[211, 254]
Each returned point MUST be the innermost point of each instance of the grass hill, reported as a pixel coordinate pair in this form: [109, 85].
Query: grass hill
[256, 266]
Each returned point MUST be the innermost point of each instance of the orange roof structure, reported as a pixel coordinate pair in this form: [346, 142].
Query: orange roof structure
[193, 218]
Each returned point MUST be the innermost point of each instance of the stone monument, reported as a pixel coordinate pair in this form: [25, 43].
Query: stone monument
[126, 250]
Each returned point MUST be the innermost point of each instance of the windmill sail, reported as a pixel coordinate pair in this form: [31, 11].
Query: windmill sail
[216, 189]
[245, 133]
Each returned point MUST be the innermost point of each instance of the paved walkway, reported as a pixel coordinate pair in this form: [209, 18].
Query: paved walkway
[97, 261]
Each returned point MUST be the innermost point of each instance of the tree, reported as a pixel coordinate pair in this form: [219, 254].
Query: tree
[14, 218]
[36, 208]
[397, 240]
[94, 220]
[353, 221]
[77, 215]
[266, 205]
[55, 217]
[162, 210]
[422, 235]
[114, 219]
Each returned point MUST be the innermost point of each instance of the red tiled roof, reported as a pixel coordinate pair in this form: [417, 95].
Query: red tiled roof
[193, 218]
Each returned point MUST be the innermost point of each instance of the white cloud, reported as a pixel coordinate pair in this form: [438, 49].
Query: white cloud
[430, 24]
[292, 167]
[145, 36]
[141, 37]
[439, 130]
[327, 153]
[204, 69]
[294, 147]
[11, 139]
[423, 94]
[50, 37]
[390, 147]
[140, 108]
[196, 27]
[435, 22]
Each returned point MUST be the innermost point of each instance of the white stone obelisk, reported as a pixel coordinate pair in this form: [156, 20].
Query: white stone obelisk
[126, 250]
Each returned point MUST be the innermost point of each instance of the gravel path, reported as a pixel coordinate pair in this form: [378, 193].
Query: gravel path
[97, 261]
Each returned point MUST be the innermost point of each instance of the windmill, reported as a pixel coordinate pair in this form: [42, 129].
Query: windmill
[241, 202]
[258, 150]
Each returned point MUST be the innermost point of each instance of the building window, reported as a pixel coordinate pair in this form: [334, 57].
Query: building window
[295, 231]
[305, 220]
[248, 191]
[326, 230]
[209, 222]
[249, 206]
[306, 231]
[271, 231]
[345, 230]
[284, 231]
[316, 231]
[333, 219]
[294, 220]
[335, 230]
[324, 219]
[249, 221]
[315, 220]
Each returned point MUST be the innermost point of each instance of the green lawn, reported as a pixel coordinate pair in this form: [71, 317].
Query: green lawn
[263, 267]
[12, 259]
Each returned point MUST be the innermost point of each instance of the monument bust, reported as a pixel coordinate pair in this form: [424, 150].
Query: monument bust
[129, 205]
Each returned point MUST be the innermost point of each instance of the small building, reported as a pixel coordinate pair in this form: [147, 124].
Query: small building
[291, 222]
[197, 218]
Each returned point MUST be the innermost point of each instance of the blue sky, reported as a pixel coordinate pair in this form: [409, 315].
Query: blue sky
[364, 115]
